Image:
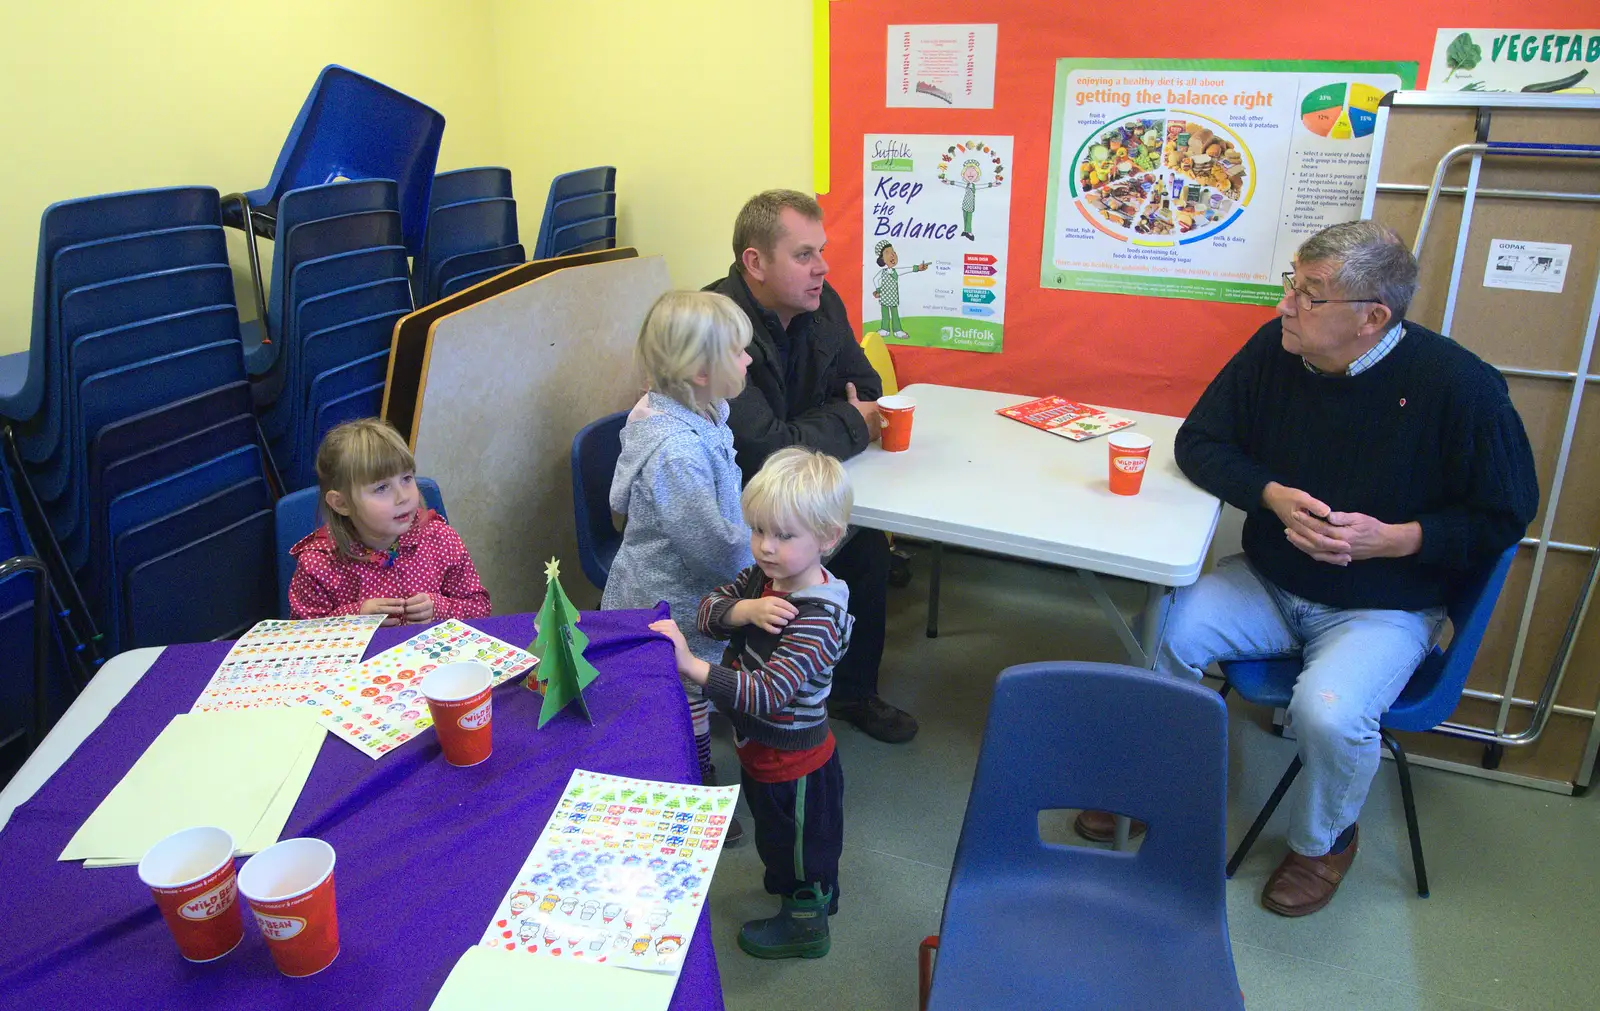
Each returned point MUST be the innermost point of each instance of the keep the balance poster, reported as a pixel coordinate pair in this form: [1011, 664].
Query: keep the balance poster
[937, 222]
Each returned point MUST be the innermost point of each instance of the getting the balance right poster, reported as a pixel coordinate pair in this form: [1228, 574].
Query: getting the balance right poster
[1199, 178]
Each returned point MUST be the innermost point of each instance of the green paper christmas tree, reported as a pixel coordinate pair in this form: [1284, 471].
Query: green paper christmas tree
[562, 670]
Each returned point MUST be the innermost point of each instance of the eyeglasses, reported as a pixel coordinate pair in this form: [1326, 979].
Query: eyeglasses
[1303, 300]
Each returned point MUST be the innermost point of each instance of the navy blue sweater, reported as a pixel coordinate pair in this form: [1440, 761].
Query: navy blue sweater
[1427, 434]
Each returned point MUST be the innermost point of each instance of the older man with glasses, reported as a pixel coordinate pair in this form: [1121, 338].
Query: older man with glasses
[1377, 463]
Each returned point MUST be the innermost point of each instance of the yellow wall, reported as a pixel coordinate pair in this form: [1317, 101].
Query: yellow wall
[699, 104]
[105, 96]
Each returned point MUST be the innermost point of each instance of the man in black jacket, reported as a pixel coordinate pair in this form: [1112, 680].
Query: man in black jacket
[809, 384]
[1378, 464]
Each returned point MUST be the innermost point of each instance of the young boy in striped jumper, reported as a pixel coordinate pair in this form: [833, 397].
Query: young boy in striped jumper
[787, 624]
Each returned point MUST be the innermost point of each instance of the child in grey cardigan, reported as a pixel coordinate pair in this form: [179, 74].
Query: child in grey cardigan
[676, 479]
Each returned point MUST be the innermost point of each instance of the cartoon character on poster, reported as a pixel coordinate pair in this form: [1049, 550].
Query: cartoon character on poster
[886, 286]
[969, 176]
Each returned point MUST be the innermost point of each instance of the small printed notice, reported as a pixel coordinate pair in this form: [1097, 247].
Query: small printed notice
[941, 66]
[1527, 266]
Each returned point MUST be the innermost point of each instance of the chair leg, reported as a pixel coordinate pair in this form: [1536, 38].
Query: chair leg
[1409, 801]
[1265, 816]
[933, 590]
[925, 951]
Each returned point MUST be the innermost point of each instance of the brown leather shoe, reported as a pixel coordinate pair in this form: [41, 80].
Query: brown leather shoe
[1101, 826]
[1302, 885]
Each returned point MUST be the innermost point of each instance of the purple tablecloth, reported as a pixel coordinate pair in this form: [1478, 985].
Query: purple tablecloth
[425, 850]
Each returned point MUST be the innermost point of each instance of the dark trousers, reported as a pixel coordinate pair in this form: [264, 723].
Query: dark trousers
[863, 563]
[800, 829]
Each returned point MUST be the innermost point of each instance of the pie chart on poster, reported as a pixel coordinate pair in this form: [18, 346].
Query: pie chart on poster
[1342, 110]
[1162, 177]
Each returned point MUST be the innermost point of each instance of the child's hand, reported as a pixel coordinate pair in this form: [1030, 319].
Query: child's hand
[419, 608]
[769, 614]
[689, 665]
[391, 608]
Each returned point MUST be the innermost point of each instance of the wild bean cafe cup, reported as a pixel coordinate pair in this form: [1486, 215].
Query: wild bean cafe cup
[289, 886]
[190, 875]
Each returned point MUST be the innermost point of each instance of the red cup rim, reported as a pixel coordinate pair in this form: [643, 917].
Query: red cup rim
[1120, 441]
[144, 872]
[244, 872]
[897, 402]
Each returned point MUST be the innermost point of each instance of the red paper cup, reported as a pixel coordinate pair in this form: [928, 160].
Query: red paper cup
[190, 873]
[1130, 453]
[896, 412]
[458, 696]
[290, 889]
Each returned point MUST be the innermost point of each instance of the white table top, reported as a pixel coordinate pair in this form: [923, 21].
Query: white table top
[109, 686]
[979, 480]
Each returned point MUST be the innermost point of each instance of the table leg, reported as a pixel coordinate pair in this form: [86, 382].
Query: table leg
[933, 589]
[1153, 622]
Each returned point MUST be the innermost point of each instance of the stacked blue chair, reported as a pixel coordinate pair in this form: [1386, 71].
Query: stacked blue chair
[141, 395]
[339, 284]
[580, 215]
[471, 235]
[351, 127]
[32, 662]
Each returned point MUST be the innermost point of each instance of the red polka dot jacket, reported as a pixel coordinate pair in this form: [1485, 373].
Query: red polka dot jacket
[429, 558]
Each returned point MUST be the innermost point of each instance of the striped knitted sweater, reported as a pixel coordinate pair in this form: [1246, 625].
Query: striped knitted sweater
[774, 687]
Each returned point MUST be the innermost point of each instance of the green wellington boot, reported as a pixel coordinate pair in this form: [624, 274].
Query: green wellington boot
[800, 930]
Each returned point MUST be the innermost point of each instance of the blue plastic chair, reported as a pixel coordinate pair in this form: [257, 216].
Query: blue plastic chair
[140, 433]
[1428, 699]
[91, 263]
[298, 514]
[448, 270]
[87, 219]
[565, 187]
[469, 184]
[158, 610]
[461, 282]
[594, 460]
[584, 236]
[468, 227]
[1030, 924]
[352, 127]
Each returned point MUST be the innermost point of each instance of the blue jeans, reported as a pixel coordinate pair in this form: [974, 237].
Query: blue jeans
[1356, 662]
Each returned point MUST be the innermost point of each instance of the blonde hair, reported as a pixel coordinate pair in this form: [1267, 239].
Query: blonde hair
[799, 489]
[686, 333]
[353, 454]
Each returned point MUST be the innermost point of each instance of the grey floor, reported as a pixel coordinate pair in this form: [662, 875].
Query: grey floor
[1512, 922]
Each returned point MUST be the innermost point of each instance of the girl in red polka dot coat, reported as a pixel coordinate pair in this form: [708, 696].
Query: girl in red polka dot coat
[380, 550]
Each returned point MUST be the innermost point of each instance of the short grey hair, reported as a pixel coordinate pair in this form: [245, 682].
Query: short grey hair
[760, 223]
[1372, 262]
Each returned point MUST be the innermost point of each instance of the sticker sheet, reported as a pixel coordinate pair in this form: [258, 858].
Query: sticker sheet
[618, 875]
[283, 663]
[379, 705]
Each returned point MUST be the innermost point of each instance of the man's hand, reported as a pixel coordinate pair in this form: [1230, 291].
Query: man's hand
[689, 666]
[1372, 538]
[770, 614]
[392, 608]
[1308, 523]
[868, 409]
[419, 609]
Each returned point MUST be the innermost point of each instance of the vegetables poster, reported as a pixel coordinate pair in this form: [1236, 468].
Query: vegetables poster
[1199, 178]
[1537, 60]
[937, 222]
